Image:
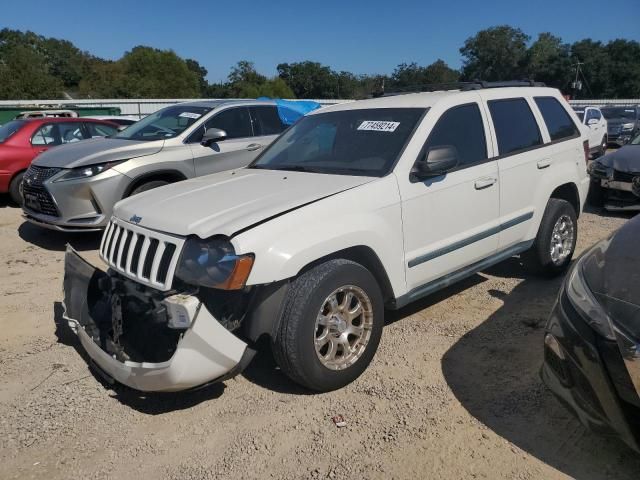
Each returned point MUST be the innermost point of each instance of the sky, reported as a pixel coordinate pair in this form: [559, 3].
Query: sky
[357, 36]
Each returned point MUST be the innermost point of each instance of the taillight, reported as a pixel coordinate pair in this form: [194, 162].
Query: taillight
[585, 146]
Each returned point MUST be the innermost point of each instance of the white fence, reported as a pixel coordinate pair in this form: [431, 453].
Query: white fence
[137, 108]
[141, 108]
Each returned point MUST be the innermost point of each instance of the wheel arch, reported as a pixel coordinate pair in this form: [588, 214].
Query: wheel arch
[568, 192]
[170, 176]
[265, 313]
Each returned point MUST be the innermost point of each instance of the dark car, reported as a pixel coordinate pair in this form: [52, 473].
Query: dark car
[623, 124]
[592, 339]
[615, 178]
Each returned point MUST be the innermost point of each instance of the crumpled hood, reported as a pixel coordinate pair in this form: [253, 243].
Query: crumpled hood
[226, 202]
[612, 271]
[96, 150]
[625, 159]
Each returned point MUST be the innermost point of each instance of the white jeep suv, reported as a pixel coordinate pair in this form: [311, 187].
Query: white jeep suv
[358, 207]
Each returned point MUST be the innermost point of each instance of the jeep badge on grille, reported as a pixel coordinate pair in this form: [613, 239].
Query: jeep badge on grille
[135, 219]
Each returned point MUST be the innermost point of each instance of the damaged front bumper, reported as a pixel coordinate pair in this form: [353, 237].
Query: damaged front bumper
[203, 352]
[621, 195]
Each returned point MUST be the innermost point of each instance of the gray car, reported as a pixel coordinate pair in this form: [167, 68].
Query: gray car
[74, 187]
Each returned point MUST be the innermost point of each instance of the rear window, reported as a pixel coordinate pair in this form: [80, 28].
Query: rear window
[558, 121]
[266, 121]
[515, 125]
[9, 129]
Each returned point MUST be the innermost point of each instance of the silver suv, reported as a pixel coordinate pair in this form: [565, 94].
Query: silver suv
[74, 187]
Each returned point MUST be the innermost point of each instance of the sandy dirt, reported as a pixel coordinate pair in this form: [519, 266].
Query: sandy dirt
[453, 392]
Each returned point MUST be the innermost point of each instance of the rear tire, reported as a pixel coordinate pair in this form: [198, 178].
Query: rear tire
[148, 186]
[555, 243]
[331, 325]
[15, 189]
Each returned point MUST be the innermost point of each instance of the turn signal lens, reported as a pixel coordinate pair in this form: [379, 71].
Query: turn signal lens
[239, 275]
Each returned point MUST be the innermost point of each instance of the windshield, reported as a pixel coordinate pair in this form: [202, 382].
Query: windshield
[166, 123]
[363, 142]
[10, 128]
[619, 112]
[636, 140]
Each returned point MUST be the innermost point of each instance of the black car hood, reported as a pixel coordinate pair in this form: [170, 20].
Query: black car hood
[612, 271]
[625, 159]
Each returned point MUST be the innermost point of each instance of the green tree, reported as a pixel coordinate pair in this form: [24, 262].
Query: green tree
[548, 60]
[201, 74]
[24, 75]
[624, 68]
[245, 82]
[310, 79]
[595, 68]
[497, 53]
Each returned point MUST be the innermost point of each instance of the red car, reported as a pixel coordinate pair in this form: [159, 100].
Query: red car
[22, 140]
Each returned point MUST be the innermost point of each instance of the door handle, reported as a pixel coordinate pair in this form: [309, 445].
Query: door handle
[544, 163]
[483, 183]
[254, 146]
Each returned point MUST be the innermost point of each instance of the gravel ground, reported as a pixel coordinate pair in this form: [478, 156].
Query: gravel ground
[453, 392]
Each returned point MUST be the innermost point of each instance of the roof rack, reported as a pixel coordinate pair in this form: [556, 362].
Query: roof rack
[462, 86]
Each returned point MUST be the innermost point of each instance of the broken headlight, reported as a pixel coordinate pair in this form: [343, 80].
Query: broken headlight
[213, 263]
[585, 302]
[598, 170]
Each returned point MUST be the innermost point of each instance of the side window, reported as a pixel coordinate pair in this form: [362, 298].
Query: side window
[235, 121]
[461, 127]
[70, 132]
[558, 121]
[45, 135]
[515, 125]
[100, 130]
[596, 114]
[266, 121]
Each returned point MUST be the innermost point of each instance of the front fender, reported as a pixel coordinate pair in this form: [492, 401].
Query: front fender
[368, 215]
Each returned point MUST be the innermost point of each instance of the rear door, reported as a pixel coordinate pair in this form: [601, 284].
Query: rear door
[521, 163]
[235, 151]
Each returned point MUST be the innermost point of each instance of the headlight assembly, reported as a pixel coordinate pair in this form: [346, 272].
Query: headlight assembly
[628, 126]
[213, 263]
[596, 169]
[586, 304]
[86, 172]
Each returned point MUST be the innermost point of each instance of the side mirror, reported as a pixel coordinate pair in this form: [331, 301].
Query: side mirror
[437, 161]
[213, 135]
[592, 121]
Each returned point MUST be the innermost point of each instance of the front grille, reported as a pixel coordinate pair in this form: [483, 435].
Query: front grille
[39, 200]
[145, 256]
[35, 176]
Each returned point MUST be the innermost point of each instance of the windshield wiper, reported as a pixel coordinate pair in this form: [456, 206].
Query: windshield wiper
[291, 168]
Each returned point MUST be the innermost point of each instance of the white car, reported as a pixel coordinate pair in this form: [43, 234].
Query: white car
[356, 208]
[596, 125]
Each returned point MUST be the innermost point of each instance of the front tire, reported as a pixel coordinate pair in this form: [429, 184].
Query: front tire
[15, 189]
[603, 146]
[331, 325]
[555, 243]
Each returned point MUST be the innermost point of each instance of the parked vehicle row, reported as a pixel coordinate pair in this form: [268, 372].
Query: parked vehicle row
[305, 234]
[623, 124]
[75, 188]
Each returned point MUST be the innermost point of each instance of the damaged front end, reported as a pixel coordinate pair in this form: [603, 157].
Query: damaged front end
[151, 340]
[616, 179]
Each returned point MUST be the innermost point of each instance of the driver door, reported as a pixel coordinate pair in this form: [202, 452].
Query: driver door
[450, 221]
[236, 151]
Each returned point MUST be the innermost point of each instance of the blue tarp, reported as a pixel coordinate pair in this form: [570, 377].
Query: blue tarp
[290, 111]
